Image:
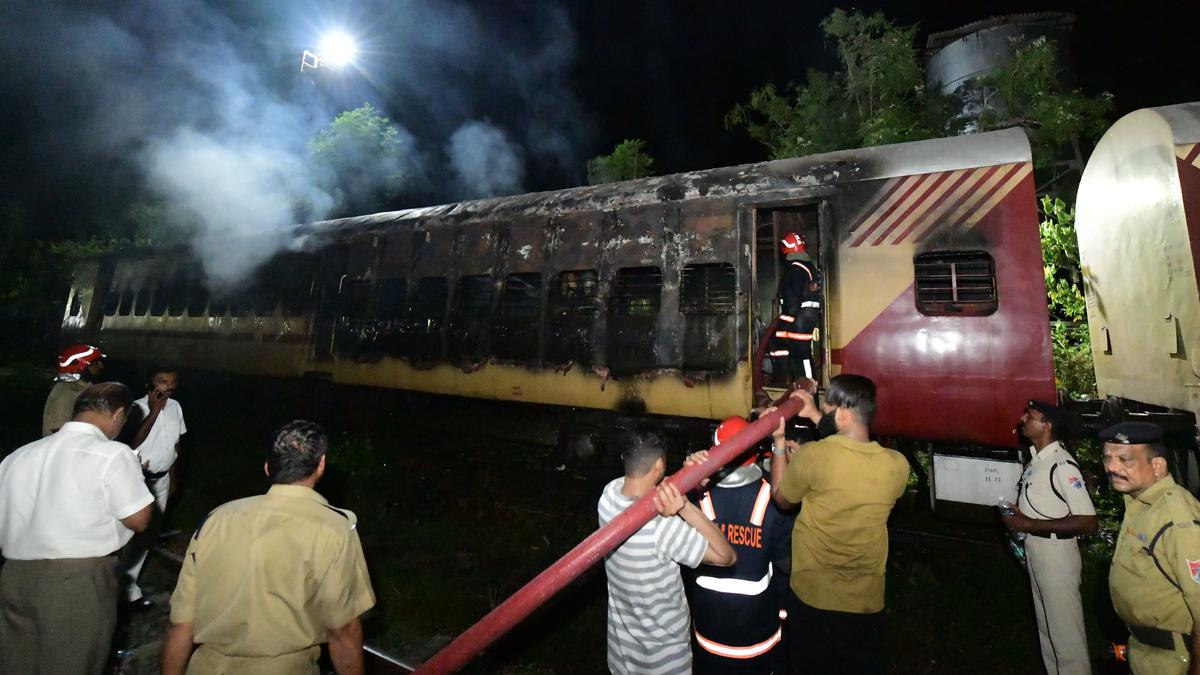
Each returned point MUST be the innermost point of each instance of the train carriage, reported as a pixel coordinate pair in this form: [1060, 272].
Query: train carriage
[1138, 223]
[650, 296]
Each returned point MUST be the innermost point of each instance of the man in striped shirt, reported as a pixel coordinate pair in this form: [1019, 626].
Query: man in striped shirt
[648, 617]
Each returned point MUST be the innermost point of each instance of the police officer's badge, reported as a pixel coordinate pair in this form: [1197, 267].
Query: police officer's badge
[1194, 569]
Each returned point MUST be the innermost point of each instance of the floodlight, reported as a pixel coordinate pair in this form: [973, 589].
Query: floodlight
[338, 50]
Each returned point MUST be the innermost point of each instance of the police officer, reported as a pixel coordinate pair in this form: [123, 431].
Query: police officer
[736, 611]
[1053, 507]
[78, 367]
[1155, 575]
[797, 328]
[266, 580]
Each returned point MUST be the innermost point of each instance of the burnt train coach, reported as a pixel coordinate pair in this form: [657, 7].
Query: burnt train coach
[651, 295]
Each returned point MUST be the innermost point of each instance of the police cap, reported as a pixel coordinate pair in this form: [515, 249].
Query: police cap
[1132, 433]
[1060, 418]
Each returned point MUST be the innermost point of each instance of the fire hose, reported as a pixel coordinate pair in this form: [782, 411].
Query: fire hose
[592, 550]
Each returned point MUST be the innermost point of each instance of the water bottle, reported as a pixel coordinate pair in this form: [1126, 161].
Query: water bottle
[1006, 507]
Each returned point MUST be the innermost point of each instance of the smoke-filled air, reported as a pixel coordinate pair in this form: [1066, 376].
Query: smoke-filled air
[206, 104]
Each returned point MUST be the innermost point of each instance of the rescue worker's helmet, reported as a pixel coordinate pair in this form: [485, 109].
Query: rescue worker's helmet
[792, 243]
[76, 358]
[726, 430]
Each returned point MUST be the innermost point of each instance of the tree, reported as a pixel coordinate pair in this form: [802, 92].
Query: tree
[627, 161]
[1069, 335]
[1027, 91]
[364, 160]
[877, 96]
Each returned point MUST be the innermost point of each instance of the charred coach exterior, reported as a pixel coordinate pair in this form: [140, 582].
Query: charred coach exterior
[644, 296]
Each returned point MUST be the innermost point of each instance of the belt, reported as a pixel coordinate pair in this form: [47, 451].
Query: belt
[1050, 535]
[1156, 637]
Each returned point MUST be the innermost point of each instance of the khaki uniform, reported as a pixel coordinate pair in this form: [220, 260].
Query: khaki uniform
[1165, 595]
[60, 404]
[266, 578]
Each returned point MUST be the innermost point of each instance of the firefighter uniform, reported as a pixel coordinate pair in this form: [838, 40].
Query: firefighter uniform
[1052, 487]
[266, 578]
[736, 611]
[1155, 576]
[797, 328]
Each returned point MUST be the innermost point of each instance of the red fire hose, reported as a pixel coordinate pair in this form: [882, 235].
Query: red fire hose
[592, 550]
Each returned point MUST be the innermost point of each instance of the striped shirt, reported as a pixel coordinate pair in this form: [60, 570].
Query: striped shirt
[648, 617]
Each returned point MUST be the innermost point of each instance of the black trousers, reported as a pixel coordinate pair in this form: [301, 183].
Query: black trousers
[826, 642]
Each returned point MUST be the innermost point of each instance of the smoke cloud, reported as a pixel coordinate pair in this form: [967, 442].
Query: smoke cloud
[200, 102]
[485, 162]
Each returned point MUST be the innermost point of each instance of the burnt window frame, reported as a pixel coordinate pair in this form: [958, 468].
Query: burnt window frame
[570, 302]
[515, 336]
[708, 307]
[467, 328]
[143, 298]
[709, 335]
[620, 304]
[390, 305]
[936, 272]
[633, 326]
[197, 295]
[425, 320]
[112, 300]
[125, 304]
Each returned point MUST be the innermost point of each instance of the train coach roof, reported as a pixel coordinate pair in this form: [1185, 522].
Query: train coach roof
[1184, 120]
[814, 171]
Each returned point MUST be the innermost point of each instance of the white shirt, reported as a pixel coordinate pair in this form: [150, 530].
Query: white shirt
[159, 447]
[1067, 497]
[64, 496]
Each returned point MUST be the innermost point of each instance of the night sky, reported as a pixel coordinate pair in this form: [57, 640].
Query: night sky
[178, 99]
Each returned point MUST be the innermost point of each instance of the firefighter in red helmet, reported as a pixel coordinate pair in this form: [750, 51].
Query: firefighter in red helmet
[736, 611]
[797, 330]
[79, 366]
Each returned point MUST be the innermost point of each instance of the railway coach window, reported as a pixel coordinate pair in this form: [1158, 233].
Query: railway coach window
[707, 297]
[633, 320]
[126, 305]
[391, 299]
[469, 318]
[142, 303]
[955, 283]
[158, 301]
[570, 315]
[423, 342]
[197, 297]
[516, 334]
[176, 294]
[111, 300]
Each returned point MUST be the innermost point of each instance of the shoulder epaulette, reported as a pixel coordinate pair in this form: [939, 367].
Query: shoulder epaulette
[345, 513]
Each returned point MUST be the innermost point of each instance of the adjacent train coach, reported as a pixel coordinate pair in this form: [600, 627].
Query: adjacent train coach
[649, 296]
[1138, 223]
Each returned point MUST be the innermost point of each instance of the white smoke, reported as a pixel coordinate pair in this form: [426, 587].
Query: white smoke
[484, 161]
[246, 196]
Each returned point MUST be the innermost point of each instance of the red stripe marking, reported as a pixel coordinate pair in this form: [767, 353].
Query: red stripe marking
[835, 355]
[990, 193]
[962, 199]
[919, 201]
[950, 195]
[890, 191]
[913, 182]
[1192, 154]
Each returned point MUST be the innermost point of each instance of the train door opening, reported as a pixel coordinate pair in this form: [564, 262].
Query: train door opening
[789, 298]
